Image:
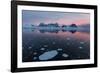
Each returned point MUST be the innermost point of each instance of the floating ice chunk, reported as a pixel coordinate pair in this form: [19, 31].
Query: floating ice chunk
[42, 48]
[29, 47]
[59, 49]
[65, 55]
[80, 47]
[81, 42]
[48, 55]
[34, 58]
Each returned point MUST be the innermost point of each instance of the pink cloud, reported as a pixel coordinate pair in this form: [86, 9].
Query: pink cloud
[77, 21]
[81, 21]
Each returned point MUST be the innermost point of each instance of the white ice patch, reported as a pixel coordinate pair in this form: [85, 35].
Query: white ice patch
[59, 49]
[65, 55]
[48, 55]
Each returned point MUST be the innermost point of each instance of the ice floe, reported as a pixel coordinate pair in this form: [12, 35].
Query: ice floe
[81, 42]
[29, 47]
[42, 48]
[48, 55]
[80, 47]
[59, 49]
[65, 55]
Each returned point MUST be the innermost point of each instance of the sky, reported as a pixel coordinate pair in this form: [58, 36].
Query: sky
[62, 18]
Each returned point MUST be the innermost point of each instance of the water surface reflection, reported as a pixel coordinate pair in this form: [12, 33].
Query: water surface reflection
[51, 45]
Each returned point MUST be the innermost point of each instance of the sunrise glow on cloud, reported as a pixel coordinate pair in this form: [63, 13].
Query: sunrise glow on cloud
[62, 18]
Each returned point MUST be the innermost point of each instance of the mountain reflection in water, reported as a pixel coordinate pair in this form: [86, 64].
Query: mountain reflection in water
[56, 31]
[54, 45]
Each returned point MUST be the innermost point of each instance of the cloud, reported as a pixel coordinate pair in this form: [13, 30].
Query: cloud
[36, 17]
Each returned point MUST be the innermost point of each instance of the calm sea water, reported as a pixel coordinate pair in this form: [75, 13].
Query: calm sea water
[53, 45]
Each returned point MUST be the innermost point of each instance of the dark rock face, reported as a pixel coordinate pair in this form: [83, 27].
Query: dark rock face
[53, 25]
[73, 25]
[49, 25]
[64, 26]
[42, 24]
